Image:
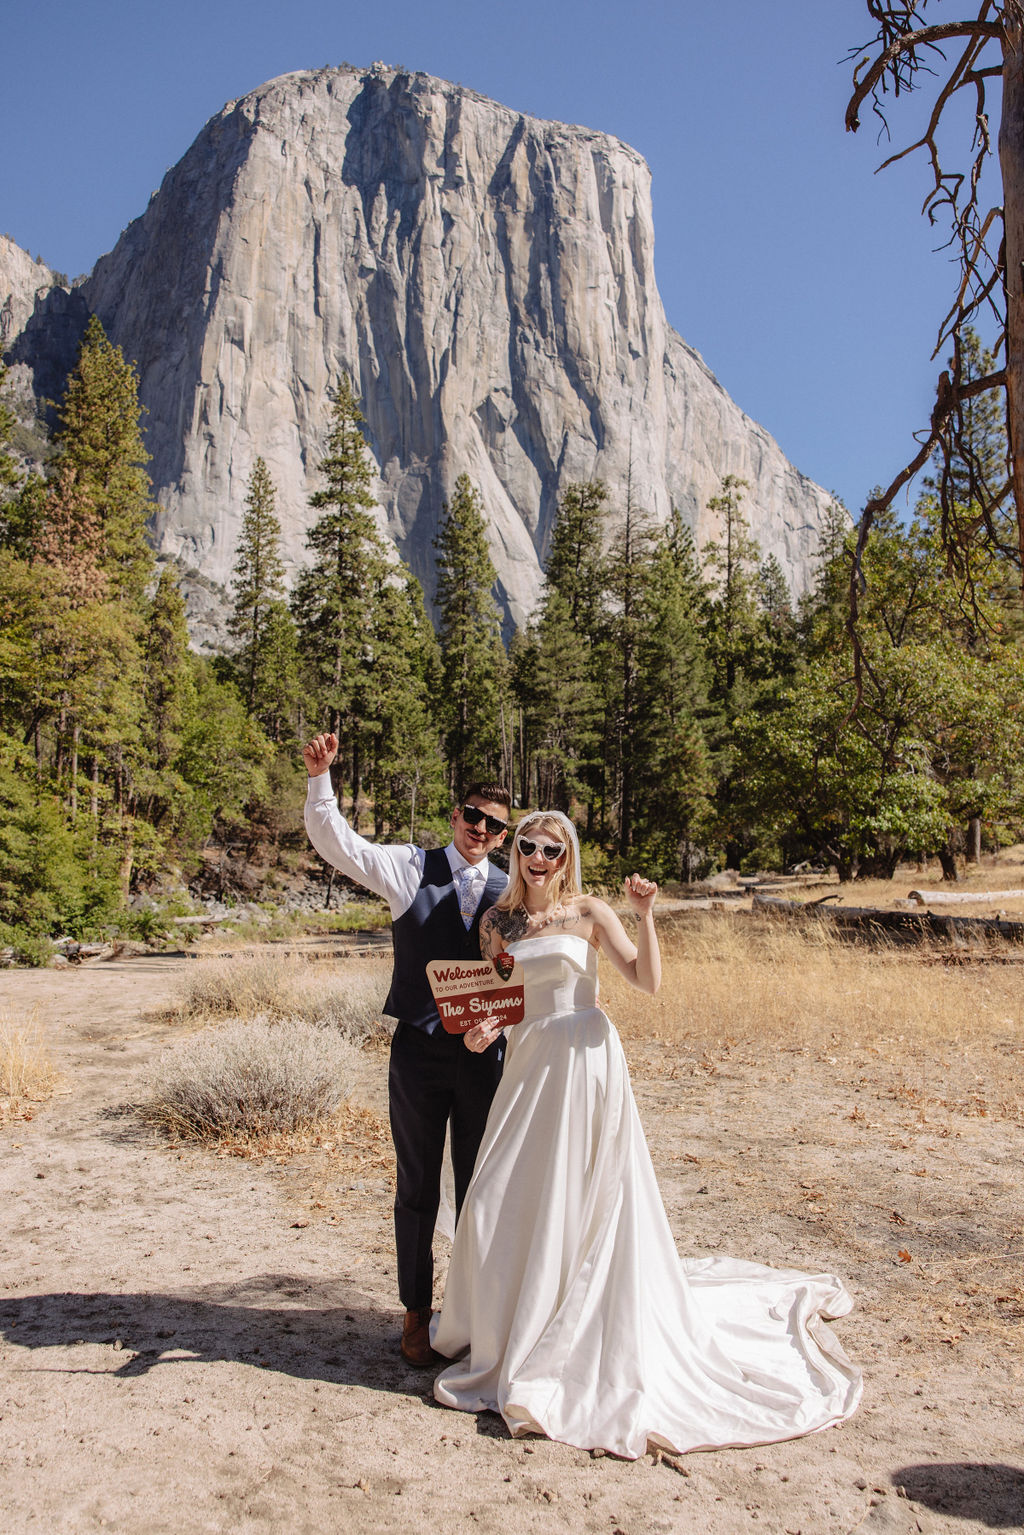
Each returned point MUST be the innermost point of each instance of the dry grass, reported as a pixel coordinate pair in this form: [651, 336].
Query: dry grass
[882, 1092]
[347, 996]
[255, 1083]
[760, 979]
[27, 1071]
[938, 1036]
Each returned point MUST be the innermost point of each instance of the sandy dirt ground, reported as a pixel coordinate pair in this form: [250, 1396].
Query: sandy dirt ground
[192, 1342]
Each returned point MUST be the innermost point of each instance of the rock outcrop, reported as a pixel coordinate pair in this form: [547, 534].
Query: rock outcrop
[487, 281]
[41, 323]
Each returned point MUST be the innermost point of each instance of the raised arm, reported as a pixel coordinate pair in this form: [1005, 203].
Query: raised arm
[391, 871]
[640, 963]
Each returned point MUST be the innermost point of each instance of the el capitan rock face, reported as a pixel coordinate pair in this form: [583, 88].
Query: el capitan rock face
[487, 281]
[41, 324]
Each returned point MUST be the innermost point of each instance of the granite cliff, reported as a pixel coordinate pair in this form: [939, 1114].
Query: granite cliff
[486, 279]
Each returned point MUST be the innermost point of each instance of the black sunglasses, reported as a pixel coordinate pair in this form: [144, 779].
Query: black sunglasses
[552, 851]
[473, 815]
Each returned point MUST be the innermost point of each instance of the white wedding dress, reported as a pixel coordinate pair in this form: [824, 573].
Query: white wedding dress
[567, 1308]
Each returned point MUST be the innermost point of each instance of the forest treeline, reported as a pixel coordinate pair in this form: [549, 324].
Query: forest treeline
[675, 701]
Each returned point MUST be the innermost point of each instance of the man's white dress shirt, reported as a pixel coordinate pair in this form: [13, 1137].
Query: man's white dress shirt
[392, 870]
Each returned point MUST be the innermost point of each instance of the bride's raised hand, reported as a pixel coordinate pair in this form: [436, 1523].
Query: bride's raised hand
[640, 893]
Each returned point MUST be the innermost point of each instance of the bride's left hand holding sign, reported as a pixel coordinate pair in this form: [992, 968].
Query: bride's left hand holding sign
[482, 1035]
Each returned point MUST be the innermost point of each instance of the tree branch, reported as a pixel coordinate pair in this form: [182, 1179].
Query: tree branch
[901, 52]
[950, 394]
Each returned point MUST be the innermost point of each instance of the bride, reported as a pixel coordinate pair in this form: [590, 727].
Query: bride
[567, 1308]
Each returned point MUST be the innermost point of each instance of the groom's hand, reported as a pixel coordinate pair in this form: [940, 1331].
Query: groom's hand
[319, 754]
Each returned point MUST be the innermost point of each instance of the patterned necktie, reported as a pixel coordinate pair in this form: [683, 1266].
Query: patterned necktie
[467, 897]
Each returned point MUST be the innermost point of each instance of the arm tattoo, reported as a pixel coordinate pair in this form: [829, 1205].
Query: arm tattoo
[508, 925]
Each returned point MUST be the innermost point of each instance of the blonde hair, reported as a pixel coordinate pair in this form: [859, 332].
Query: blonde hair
[567, 881]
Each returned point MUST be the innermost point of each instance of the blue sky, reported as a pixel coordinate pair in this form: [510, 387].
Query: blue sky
[810, 285]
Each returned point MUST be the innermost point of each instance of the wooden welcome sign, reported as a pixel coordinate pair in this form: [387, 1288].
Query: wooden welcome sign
[468, 991]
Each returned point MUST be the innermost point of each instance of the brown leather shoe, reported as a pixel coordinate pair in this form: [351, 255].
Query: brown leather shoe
[415, 1344]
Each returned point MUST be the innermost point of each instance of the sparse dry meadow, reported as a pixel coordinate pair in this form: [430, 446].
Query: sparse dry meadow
[28, 1075]
[201, 1336]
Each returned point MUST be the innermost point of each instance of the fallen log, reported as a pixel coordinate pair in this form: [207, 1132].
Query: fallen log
[952, 897]
[908, 926]
[686, 903]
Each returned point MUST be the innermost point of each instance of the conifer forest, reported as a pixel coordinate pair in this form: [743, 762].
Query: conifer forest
[675, 700]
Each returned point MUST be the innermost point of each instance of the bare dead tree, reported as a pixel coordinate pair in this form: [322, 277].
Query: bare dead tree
[906, 53]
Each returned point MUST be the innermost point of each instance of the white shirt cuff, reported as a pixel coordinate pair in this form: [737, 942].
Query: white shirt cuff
[319, 788]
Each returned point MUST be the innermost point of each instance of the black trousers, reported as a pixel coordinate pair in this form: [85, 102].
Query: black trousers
[432, 1079]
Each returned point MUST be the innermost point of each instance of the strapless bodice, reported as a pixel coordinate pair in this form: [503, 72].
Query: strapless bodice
[560, 973]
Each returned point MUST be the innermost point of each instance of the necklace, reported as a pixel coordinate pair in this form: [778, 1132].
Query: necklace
[544, 918]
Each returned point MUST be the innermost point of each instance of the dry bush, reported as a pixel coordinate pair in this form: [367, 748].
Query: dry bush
[27, 1072]
[771, 981]
[346, 997]
[253, 1080]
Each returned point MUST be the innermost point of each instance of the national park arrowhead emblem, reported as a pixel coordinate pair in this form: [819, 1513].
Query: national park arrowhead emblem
[504, 964]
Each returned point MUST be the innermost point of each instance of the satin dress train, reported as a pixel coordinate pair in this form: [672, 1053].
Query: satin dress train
[567, 1308]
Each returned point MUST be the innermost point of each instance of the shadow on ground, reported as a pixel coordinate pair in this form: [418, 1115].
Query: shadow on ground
[991, 1494]
[297, 1326]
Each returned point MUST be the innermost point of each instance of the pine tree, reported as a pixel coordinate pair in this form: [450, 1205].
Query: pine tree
[159, 793]
[734, 631]
[86, 654]
[113, 737]
[556, 681]
[267, 653]
[628, 572]
[21, 495]
[575, 564]
[562, 705]
[100, 451]
[673, 779]
[278, 692]
[473, 659]
[732, 560]
[68, 536]
[333, 601]
[82, 535]
[168, 674]
[775, 647]
[223, 757]
[9, 476]
[407, 770]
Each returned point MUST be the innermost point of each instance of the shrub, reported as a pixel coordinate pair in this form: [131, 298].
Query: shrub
[27, 948]
[347, 998]
[252, 1079]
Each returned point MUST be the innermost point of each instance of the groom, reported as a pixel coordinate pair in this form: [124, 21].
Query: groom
[437, 897]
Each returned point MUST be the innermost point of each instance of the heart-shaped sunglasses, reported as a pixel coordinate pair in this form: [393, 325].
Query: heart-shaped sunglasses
[552, 851]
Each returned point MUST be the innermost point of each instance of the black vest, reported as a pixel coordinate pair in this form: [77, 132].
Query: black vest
[432, 928]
